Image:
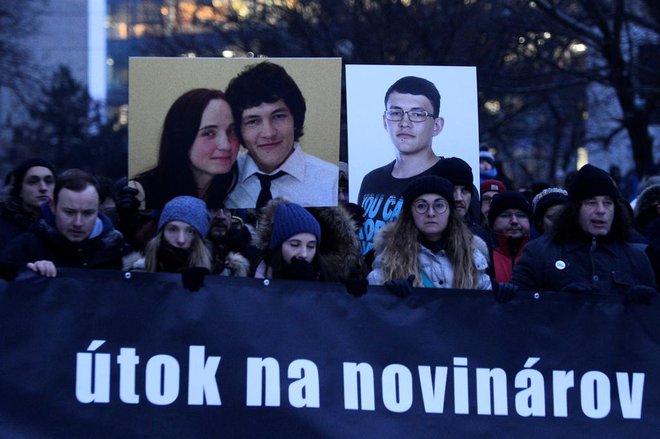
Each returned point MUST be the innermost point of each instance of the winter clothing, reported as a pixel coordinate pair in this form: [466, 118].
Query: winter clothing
[435, 269]
[506, 254]
[647, 221]
[188, 209]
[15, 176]
[591, 181]
[457, 171]
[338, 252]
[291, 219]
[586, 264]
[487, 156]
[381, 198]
[430, 184]
[547, 198]
[103, 249]
[492, 185]
[508, 200]
[14, 220]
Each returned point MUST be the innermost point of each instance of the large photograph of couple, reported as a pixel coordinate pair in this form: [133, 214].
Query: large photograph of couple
[235, 132]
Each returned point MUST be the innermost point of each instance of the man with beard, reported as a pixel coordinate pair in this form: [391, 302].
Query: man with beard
[588, 248]
[230, 244]
[509, 220]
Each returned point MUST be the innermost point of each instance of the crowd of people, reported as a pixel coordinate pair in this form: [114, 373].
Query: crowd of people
[585, 238]
[419, 221]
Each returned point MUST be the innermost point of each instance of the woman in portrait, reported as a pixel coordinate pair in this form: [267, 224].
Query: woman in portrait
[197, 153]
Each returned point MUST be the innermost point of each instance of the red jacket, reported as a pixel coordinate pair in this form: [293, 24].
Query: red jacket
[506, 254]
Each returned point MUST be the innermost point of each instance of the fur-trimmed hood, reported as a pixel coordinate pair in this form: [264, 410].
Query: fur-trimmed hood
[645, 208]
[339, 244]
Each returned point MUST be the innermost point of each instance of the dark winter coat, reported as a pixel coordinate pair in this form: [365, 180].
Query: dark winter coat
[45, 242]
[14, 220]
[339, 248]
[587, 264]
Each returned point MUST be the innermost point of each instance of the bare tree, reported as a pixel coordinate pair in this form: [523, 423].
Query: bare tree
[17, 71]
[612, 32]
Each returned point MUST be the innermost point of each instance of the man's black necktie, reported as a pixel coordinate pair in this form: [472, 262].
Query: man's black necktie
[265, 196]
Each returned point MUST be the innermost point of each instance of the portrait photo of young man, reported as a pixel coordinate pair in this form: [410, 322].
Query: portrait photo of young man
[402, 120]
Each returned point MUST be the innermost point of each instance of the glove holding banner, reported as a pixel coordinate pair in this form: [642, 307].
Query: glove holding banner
[356, 287]
[504, 291]
[193, 278]
[401, 287]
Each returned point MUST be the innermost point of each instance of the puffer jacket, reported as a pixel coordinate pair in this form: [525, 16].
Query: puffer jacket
[435, 269]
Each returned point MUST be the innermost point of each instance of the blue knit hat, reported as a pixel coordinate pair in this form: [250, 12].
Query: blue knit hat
[190, 210]
[291, 219]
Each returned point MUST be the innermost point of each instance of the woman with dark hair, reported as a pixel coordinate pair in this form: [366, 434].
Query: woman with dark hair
[197, 154]
[430, 241]
[290, 237]
[30, 184]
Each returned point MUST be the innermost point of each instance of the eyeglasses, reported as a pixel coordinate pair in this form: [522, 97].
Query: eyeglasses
[413, 115]
[510, 215]
[439, 206]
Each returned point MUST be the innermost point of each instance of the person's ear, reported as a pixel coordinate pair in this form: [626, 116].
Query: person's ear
[438, 124]
[51, 205]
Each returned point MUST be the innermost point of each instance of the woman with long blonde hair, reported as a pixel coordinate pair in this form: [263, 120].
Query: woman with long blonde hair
[430, 241]
[179, 243]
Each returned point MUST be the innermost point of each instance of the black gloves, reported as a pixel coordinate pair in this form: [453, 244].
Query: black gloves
[356, 287]
[299, 269]
[127, 201]
[640, 294]
[8, 271]
[401, 287]
[504, 291]
[193, 278]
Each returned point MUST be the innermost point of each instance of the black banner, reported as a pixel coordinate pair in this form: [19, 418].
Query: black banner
[101, 354]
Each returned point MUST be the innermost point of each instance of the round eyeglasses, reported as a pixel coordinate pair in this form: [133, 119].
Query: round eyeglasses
[413, 115]
[421, 206]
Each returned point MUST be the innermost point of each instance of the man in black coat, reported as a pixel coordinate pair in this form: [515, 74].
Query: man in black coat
[72, 232]
[588, 249]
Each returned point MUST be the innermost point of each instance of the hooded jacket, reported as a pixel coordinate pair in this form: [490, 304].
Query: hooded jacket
[103, 249]
[339, 246]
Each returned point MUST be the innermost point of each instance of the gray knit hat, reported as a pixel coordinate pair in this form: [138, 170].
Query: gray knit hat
[190, 210]
[291, 219]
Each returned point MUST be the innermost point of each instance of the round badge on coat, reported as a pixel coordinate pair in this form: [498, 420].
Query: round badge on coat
[560, 265]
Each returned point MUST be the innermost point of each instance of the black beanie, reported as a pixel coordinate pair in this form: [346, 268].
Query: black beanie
[15, 176]
[429, 184]
[508, 200]
[591, 181]
[457, 171]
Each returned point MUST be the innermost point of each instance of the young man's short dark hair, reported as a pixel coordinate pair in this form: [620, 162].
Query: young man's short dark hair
[75, 180]
[416, 86]
[266, 82]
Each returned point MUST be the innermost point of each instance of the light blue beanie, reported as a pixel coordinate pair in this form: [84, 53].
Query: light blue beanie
[190, 210]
